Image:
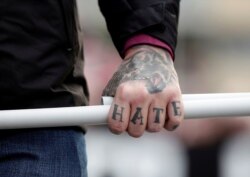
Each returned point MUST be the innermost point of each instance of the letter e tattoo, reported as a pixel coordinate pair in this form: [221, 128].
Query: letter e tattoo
[116, 113]
[176, 107]
[157, 114]
[137, 115]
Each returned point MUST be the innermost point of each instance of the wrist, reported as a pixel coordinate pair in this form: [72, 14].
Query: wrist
[143, 39]
[147, 48]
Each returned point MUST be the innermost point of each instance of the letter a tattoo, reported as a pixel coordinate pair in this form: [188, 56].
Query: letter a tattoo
[176, 107]
[116, 113]
[137, 115]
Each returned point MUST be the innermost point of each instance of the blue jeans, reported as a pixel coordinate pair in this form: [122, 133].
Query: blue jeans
[50, 152]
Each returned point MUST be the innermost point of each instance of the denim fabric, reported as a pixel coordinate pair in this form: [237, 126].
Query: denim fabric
[53, 152]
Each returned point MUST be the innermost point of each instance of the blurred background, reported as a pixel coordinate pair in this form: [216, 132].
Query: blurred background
[212, 56]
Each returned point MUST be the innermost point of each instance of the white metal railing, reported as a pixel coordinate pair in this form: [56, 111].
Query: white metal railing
[195, 105]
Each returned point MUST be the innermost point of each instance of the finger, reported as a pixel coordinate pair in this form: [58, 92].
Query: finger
[175, 112]
[156, 117]
[138, 118]
[118, 116]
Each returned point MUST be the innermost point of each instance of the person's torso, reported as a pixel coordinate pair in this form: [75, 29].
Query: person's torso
[39, 54]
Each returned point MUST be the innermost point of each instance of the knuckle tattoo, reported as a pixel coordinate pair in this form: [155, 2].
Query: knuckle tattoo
[137, 117]
[118, 113]
[158, 113]
[176, 106]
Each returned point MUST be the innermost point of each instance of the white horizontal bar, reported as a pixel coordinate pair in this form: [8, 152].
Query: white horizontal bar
[87, 115]
[211, 105]
[215, 96]
[53, 117]
[204, 96]
[229, 107]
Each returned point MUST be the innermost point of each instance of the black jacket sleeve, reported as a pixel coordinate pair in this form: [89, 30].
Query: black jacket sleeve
[157, 18]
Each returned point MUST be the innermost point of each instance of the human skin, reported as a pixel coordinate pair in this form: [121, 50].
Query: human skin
[146, 93]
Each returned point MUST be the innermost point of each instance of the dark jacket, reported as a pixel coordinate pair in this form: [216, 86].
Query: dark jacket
[41, 52]
[158, 18]
[41, 56]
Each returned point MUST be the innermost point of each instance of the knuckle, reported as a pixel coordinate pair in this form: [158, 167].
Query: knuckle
[135, 134]
[175, 121]
[172, 128]
[173, 92]
[172, 124]
[169, 128]
[154, 128]
[175, 110]
[141, 97]
[122, 92]
[135, 94]
[116, 129]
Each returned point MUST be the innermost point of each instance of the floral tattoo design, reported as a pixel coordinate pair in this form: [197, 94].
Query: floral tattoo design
[151, 65]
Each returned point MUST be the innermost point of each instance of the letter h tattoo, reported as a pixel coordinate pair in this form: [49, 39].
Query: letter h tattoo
[116, 113]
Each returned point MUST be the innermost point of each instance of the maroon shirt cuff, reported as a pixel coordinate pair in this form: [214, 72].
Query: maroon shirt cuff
[142, 39]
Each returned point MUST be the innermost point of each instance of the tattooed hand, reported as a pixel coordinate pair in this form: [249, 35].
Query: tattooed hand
[146, 93]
